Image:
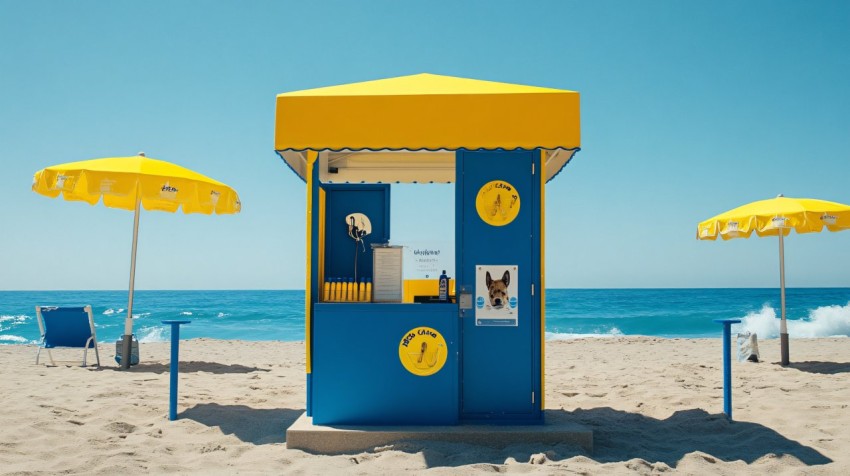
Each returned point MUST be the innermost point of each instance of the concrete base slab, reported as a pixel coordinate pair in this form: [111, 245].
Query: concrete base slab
[304, 435]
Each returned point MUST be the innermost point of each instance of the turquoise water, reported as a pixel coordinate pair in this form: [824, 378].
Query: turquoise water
[570, 313]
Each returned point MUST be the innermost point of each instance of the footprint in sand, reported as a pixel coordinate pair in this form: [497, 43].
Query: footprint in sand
[120, 427]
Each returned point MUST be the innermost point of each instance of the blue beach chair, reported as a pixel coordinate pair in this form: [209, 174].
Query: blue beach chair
[70, 327]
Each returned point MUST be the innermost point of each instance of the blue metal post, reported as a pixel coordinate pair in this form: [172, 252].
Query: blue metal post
[727, 364]
[175, 352]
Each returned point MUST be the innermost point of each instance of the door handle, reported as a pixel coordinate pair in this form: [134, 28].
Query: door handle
[464, 301]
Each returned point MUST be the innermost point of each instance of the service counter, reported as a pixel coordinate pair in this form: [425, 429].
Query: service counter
[380, 364]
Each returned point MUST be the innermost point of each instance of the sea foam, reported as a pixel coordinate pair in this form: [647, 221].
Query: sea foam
[7, 322]
[8, 338]
[614, 332]
[824, 321]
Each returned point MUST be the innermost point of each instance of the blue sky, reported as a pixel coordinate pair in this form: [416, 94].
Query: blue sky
[688, 109]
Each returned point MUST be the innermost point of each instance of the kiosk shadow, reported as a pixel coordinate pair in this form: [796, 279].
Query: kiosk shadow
[821, 367]
[619, 436]
[211, 367]
[259, 426]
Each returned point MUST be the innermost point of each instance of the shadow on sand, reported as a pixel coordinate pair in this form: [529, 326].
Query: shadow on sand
[821, 367]
[618, 436]
[260, 426]
[211, 367]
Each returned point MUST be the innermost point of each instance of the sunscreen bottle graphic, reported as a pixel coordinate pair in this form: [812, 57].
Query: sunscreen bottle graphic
[361, 290]
[368, 289]
[326, 291]
[332, 294]
[350, 290]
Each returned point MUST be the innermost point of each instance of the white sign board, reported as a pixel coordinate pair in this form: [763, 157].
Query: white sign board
[428, 259]
[387, 283]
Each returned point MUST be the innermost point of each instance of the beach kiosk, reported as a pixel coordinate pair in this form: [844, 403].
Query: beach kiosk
[381, 351]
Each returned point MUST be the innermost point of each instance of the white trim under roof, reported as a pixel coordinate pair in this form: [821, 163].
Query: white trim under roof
[397, 166]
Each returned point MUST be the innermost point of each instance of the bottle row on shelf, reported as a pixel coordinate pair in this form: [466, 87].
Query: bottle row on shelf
[347, 290]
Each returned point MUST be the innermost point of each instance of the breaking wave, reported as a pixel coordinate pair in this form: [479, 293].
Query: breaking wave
[8, 338]
[153, 334]
[824, 321]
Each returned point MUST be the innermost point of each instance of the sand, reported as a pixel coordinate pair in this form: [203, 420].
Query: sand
[655, 405]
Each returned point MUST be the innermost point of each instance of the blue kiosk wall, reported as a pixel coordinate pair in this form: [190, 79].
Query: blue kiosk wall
[492, 373]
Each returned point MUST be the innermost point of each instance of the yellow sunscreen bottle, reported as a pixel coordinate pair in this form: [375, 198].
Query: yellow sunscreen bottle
[368, 289]
[350, 289]
[326, 291]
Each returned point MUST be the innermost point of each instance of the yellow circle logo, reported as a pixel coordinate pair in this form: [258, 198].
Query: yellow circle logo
[423, 351]
[497, 203]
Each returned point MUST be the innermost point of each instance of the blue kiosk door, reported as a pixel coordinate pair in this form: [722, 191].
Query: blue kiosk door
[497, 201]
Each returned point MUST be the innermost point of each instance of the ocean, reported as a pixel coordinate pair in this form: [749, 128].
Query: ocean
[570, 313]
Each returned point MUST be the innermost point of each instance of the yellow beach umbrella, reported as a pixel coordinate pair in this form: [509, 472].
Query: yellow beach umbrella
[777, 217]
[130, 183]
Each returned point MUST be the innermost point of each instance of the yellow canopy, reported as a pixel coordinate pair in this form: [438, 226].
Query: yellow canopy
[425, 112]
[767, 217]
[131, 182]
[161, 185]
[777, 217]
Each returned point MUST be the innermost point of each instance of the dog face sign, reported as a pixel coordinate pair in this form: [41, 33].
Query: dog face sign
[498, 290]
[496, 302]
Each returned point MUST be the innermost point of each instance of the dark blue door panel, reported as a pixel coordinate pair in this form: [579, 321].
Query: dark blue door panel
[342, 200]
[497, 367]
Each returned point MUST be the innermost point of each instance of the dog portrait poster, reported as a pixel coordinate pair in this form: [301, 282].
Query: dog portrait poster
[496, 296]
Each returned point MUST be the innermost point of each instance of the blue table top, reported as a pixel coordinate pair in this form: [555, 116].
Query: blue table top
[725, 321]
[180, 321]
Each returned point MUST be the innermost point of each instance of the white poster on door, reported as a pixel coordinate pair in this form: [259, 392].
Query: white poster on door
[496, 302]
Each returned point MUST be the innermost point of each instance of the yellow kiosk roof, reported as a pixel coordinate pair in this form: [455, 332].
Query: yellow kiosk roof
[426, 112]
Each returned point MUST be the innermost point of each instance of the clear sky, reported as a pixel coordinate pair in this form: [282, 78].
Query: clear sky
[688, 109]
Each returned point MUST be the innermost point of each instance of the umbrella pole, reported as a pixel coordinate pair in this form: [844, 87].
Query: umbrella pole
[128, 321]
[783, 325]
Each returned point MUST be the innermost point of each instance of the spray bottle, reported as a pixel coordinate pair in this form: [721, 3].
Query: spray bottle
[444, 287]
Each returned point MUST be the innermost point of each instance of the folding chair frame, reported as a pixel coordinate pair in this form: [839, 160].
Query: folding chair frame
[85, 349]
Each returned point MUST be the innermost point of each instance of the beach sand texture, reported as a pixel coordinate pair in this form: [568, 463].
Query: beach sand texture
[654, 406]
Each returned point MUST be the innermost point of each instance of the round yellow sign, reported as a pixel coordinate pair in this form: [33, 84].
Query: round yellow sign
[423, 351]
[497, 203]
